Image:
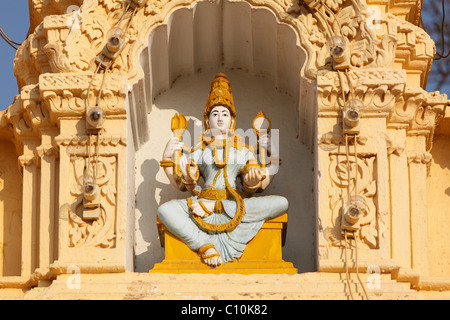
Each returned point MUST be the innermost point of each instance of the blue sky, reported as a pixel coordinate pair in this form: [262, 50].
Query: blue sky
[14, 20]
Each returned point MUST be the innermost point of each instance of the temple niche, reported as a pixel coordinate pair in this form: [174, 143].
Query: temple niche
[361, 143]
[262, 60]
[251, 94]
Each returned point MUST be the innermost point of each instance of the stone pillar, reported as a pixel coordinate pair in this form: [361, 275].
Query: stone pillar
[29, 207]
[99, 242]
[399, 194]
[357, 169]
[418, 159]
[48, 195]
[93, 243]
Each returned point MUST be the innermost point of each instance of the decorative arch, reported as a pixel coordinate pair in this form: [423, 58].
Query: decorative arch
[256, 48]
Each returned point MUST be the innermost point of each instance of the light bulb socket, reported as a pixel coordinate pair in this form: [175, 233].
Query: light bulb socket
[95, 117]
[352, 214]
[116, 39]
[339, 52]
[351, 116]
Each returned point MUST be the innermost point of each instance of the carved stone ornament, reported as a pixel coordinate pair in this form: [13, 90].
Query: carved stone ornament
[357, 183]
[76, 37]
[100, 232]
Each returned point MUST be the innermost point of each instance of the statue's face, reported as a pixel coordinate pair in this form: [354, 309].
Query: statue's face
[220, 119]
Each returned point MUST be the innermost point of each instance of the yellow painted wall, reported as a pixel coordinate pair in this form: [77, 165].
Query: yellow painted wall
[10, 211]
[439, 207]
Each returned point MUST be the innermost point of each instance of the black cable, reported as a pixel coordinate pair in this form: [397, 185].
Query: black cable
[7, 40]
[441, 55]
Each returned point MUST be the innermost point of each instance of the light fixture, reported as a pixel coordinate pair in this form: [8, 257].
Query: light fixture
[91, 198]
[352, 212]
[95, 118]
[114, 45]
[339, 52]
[351, 115]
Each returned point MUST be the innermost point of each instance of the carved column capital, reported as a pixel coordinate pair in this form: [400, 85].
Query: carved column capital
[379, 90]
[46, 150]
[64, 94]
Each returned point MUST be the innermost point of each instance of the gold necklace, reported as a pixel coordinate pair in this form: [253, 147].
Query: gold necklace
[217, 162]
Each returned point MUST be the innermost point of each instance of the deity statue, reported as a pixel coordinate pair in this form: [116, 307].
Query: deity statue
[221, 216]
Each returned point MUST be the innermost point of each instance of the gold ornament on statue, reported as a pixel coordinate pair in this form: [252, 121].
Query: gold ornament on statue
[178, 126]
[261, 124]
[220, 95]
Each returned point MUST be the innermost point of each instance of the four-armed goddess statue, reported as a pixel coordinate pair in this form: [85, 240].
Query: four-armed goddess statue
[220, 217]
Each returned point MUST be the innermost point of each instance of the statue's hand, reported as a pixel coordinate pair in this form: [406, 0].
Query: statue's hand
[198, 210]
[189, 170]
[253, 178]
[173, 145]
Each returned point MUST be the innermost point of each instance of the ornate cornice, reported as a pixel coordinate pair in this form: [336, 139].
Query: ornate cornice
[69, 41]
[65, 94]
[82, 141]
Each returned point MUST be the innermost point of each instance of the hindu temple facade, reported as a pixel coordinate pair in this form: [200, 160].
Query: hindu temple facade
[87, 102]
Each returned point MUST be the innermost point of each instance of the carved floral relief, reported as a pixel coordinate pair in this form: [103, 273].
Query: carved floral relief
[356, 183]
[98, 232]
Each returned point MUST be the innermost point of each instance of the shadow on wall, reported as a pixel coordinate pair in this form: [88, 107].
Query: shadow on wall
[294, 180]
[145, 198]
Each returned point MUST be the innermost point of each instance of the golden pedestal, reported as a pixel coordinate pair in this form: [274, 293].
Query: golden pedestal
[262, 255]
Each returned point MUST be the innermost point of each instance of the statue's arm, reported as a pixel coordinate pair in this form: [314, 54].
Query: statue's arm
[252, 176]
[188, 169]
[270, 172]
[266, 174]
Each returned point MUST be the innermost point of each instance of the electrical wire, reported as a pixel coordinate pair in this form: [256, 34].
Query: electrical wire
[348, 168]
[88, 164]
[90, 84]
[346, 267]
[355, 142]
[442, 55]
[8, 40]
[351, 93]
[97, 150]
[123, 14]
[330, 30]
[97, 101]
[328, 9]
[357, 272]
[131, 18]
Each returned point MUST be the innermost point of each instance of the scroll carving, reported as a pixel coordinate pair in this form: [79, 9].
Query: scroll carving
[377, 89]
[100, 232]
[358, 182]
